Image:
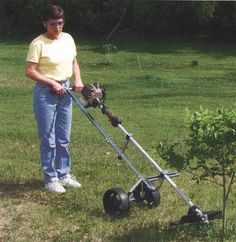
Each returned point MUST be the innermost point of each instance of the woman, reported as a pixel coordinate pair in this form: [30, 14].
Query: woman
[51, 62]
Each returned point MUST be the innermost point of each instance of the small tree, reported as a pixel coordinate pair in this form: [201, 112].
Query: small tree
[109, 50]
[210, 150]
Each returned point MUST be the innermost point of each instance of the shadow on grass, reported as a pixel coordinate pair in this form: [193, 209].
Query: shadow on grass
[218, 50]
[168, 233]
[11, 189]
[33, 191]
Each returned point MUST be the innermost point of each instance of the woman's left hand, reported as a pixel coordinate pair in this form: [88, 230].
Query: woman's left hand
[77, 86]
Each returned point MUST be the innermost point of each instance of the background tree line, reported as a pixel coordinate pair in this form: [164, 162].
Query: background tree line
[21, 18]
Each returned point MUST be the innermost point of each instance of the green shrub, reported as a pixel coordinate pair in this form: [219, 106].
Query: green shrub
[210, 150]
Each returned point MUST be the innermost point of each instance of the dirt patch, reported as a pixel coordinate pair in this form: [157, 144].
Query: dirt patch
[5, 220]
[9, 213]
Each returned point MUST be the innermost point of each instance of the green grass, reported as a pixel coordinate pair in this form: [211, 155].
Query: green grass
[150, 93]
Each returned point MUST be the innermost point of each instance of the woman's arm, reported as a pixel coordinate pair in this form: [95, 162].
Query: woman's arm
[32, 72]
[77, 84]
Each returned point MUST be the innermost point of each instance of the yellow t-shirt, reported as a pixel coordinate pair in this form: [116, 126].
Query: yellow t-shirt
[54, 57]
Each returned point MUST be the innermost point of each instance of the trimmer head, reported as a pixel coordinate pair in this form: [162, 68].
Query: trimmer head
[193, 217]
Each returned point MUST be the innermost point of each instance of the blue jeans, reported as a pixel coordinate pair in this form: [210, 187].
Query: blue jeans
[53, 114]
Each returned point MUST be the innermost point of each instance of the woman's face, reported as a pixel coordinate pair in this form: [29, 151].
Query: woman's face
[54, 27]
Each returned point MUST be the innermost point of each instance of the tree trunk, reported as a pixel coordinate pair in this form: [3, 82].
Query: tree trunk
[224, 203]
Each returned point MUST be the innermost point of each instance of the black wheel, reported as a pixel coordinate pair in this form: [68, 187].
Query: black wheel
[143, 195]
[116, 202]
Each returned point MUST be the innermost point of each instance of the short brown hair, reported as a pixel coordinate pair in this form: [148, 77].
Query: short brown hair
[52, 12]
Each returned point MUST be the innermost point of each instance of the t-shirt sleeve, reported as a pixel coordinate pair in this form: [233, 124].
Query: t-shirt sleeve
[33, 53]
[74, 49]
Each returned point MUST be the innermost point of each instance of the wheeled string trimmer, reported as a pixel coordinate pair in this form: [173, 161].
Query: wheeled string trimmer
[115, 200]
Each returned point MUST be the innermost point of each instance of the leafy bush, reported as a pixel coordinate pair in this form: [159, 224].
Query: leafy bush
[108, 50]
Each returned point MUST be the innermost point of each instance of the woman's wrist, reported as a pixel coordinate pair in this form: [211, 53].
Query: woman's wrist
[78, 82]
[51, 82]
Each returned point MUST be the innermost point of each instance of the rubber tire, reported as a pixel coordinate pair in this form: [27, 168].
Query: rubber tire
[116, 202]
[143, 195]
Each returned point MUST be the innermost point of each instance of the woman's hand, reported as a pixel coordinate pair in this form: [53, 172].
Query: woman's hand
[77, 86]
[58, 88]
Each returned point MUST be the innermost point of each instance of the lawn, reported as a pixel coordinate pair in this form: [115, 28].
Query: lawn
[149, 85]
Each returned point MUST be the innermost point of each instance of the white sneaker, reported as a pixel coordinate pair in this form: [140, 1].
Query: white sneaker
[55, 186]
[70, 181]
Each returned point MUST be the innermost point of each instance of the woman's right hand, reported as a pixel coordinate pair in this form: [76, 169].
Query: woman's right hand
[58, 88]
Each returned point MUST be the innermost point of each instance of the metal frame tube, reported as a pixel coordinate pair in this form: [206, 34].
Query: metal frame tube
[104, 134]
[147, 156]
